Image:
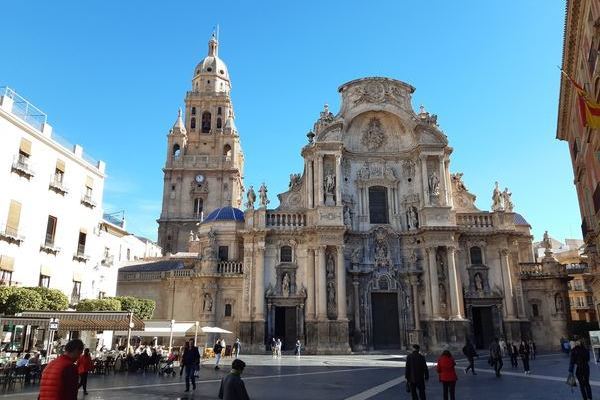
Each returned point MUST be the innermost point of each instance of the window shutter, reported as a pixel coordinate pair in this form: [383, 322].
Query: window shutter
[60, 165]
[14, 216]
[7, 263]
[77, 276]
[89, 182]
[46, 270]
[25, 146]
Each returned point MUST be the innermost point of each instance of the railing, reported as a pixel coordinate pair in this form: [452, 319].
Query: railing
[56, 183]
[24, 109]
[107, 261]
[10, 233]
[577, 268]
[479, 221]
[75, 298]
[181, 273]
[86, 200]
[201, 161]
[539, 270]
[230, 267]
[276, 219]
[80, 253]
[21, 164]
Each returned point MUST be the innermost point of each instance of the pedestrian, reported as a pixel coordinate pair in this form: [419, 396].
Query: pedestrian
[298, 348]
[84, 366]
[580, 357]
[416, 373]
[278, 348]
[502, 344]
[189, 359]
[24, 365]
[495, 359]
[232, 386]
[237, 346]
[274, 347]
[447, 374]
[59, 379]
[514, 355]
[217, 349]
[470, 353]
[524, 352]
[532, 349]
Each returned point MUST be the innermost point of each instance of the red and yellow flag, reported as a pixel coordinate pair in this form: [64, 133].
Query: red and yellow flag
[589, 110]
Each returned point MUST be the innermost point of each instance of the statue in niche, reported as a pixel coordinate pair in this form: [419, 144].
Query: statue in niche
[191, 238]
[347, 216]
[269, 292]
[330, 265]
[329, 184]
[412, 259]
[251, 197]
[506, 197]
[434, 184]
[380, 250]
[285, 285]
[408, 168]
[558, 303]
[262, 194]
[208, 303]
[440, 265]
[355, 258]
[412, 218]
[331, 295]
[497, 199]
[302, 291]
[442, 293]
[478, 282]
[389, 173]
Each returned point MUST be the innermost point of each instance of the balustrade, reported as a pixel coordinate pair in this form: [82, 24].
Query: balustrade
[285, 220]
[479, 220]
[230, 267]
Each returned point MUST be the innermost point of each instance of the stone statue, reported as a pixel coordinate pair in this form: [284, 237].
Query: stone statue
[408, 168]
[208, 302]
[412, 218]
[506, 197]
[434, 184]
[269, 292]
[459, 185]
[191, 238]
[440, 265]
[347, 216]
[478, 282]
[251, 197]
[331, 294]
[294, 181]
[558, 302]
[262, 194]
[330, 265]
[389, 173]
[412, 259]
[546, 242]
[329, 184]
[355, 258]
[302, 291]
[497, 199]
[285, 285]
[442, 293]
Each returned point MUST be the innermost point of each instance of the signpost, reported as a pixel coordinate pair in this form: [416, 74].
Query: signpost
[52, 328]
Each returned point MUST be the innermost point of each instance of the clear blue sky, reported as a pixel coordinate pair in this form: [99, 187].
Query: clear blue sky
[111, 75]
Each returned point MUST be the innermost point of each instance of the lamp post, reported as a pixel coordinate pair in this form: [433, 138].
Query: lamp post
[196, 334]
[171, 335]
[129, 331]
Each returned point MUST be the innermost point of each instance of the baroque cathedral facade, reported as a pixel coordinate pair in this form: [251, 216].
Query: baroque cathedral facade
[374, 245]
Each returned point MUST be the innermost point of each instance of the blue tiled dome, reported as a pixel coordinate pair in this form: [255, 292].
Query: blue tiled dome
[225, 214]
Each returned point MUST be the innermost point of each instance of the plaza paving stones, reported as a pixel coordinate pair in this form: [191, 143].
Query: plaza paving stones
[378, 377]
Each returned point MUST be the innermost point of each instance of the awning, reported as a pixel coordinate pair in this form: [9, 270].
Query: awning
[12, 320]
[214, 329]
[161, 329]
[89, 321]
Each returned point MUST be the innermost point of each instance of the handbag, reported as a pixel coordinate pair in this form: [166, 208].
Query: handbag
[571, 381]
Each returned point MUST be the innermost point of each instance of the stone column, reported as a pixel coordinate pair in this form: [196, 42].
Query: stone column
[259, 300]
[456, 296]
[338, 180]
[355, 284]
[450, 200]
[311, 184]
[300, 320]
[425, 181]
[414, 281]
[507, 280]
[321, 278]
[444, 188]
[319, 180]
[428, 291]
[310, 284]
[341, 285]
[433, 276]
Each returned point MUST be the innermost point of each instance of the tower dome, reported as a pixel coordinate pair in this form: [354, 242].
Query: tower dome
[211, 73]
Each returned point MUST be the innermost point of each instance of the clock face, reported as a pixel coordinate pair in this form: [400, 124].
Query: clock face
[199, 178]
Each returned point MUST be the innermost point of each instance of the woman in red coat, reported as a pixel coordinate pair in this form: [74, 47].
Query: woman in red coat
[84, 366]
[447, 374]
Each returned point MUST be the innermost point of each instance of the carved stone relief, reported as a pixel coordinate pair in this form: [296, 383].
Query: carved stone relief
[374, 136]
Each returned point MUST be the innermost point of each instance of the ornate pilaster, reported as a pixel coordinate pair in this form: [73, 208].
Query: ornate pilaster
[338, 180]
[319, 180]
[259, 299]
[507, 283]
[424, 182]
[342, 313]
[433, 276]
[414, 282]
[456, 295]
[321, 278]
[444, 191]
[310, 285]
[356, 285]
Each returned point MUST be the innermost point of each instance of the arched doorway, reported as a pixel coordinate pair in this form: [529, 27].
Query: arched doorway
[387, 313]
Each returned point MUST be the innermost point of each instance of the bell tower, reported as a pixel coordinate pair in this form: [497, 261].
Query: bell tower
[205, 163]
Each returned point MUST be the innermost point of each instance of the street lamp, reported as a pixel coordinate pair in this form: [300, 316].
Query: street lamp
[129, 331]
[196, 334]
[171, 335]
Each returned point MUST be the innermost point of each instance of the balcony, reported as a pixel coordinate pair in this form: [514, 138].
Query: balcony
[10, 234]
[48, 245]
[534, 270]
[107, 261]
[475, 220]
[87, 201]
[80, 254]
[285, 220]
[57, 184]
[230, 267]
[22, 166]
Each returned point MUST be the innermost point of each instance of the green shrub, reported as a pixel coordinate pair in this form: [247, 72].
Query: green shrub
[106, 304]
[52, 299]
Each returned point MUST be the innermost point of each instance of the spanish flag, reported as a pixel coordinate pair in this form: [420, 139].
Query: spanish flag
[589, 110]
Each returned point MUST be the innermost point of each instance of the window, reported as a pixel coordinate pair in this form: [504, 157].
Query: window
[198, 205]
[176, 151]
[81, 244]
[59, 171]
[6, 269]
[89, 187]
[101, 295]
[227, 151]
[128, 254]
[286, 254]
[5, 277]
[24, 151]
[228, 310]
[476, 256]
[14, 216]
[44, 281]
[193, 123]
[50, 231]
[219, 124]
[206, 122]
[378, 213]
[193, 110]
[219, 111]
[535, 310]
[76, 292]
[172, 188]
[223, 253]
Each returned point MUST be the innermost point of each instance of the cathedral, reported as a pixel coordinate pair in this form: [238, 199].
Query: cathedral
[374, 245]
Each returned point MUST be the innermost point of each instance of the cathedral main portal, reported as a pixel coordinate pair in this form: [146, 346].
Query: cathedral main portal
[286, 326]
[386, 324]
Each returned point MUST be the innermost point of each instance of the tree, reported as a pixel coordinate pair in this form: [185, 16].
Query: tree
[142, 308]
[52, 299]
[21, 299]
[106, 304]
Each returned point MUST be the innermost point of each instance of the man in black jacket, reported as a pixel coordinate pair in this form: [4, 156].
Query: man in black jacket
[232, 386]
[470, 353]
[190, 358]
[416, 373]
